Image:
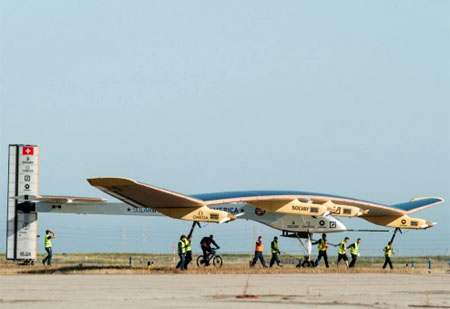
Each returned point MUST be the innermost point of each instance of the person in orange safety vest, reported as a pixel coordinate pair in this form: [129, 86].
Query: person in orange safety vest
[259, 248]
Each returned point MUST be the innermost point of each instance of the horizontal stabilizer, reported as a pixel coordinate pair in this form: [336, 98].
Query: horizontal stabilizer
[58, 199]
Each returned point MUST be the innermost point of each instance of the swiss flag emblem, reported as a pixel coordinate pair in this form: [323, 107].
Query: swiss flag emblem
[28, 151]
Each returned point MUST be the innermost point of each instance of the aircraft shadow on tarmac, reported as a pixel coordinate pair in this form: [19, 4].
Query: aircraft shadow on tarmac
[74, 268]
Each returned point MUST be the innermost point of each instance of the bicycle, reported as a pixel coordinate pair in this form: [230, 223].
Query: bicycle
[212, 256]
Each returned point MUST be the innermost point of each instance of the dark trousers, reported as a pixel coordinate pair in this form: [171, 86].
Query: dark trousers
[274, 259]
[342, 257]
[206, 252]
[181, 263]
[322, 253]
[353, 262]
[48, 258]
[387, 260]
[188, 259]
[258, 255]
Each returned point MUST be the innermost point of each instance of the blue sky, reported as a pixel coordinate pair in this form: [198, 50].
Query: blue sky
[349, 98]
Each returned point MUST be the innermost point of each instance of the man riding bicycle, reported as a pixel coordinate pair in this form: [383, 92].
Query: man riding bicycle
[205, 244]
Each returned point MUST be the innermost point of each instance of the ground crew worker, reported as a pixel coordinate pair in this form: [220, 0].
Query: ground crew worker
[49, 235]
[275, 252]
[181, 253]
[342, 253]
[354, 247]
[188, 259]
[259, 248]
[322, 246]
[388, 251]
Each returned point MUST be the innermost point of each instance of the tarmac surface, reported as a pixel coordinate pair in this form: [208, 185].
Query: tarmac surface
[220, 291]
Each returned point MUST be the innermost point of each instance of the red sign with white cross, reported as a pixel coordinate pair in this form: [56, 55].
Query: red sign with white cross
[28, 151]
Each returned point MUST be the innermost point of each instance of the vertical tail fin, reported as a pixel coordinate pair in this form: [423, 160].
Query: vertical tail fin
[23, 180]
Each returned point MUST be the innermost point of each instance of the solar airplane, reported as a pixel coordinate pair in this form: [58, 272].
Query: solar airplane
[297, 214]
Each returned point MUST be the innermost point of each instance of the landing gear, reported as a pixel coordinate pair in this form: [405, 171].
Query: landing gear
[306, 260]
[395, 233]
[26, 262]
[195, 223]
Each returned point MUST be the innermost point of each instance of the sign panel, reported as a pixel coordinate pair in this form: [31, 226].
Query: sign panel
[23, 181]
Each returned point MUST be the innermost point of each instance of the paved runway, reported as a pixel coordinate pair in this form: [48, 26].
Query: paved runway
[220, 291]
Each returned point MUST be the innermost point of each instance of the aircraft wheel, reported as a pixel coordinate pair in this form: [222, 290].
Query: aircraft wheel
[306, 264]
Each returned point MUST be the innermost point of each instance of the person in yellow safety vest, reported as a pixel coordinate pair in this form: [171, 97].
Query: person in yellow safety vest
[181, 253]
[188, 259]
[259, 248]
[354, 247]
[49, 235]
[388, 251]
[342, 253]
[322, 246]
[275, 252]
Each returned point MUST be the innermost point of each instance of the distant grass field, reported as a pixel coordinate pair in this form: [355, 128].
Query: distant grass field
[135, 263]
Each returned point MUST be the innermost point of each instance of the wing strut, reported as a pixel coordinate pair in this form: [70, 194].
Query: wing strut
[193, 227]
[395, 232]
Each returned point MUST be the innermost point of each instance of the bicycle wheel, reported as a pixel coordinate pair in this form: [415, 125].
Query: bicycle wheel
[200, 261]
[217, 261]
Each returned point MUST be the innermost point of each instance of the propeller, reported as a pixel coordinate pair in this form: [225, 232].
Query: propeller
[428, 225]
[228, 218]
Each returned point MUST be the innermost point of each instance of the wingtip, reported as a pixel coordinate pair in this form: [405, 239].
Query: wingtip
[110, 181]
[440, 199]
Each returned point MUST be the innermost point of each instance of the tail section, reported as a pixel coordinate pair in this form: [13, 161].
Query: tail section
[23, 180]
